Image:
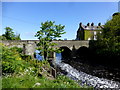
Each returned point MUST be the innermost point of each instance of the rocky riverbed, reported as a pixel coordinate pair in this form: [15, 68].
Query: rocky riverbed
[96, 70]
[86, 79]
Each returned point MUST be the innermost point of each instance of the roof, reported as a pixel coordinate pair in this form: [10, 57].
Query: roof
[91, 27]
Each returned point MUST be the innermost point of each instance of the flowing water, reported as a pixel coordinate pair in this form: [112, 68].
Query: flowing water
[86, 79]
[81, 77]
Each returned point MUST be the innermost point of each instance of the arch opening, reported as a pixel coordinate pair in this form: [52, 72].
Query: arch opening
[83, 53]
[66, 53]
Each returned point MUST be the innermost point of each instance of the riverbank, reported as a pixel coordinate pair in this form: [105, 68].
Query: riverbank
[21, 71]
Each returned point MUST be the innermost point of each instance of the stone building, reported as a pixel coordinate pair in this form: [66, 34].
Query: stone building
[89, 31]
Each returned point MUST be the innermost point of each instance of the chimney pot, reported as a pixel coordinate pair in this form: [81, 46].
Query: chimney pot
[92, 24]
[80, 24]
[88, 24]
[99, 24]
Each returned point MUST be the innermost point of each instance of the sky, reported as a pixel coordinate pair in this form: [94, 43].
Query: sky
[25, 17]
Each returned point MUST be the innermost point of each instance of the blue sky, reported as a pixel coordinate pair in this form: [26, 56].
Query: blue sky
[25, 17]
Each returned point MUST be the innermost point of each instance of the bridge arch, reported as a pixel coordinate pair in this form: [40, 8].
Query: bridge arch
[83, 52]
[66, 53]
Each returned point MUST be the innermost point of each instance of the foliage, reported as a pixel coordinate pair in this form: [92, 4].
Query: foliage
[9, 35]
[48, 32]
[107, 47]
[90, 34]
[19, 50]
[2, 38]
[112, 27]
[110, 37]
[11, 60]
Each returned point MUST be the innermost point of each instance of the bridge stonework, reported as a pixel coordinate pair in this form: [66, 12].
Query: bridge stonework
[29, 46]
[72, 43]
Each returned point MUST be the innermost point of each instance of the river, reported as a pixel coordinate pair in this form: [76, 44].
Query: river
[80, 76]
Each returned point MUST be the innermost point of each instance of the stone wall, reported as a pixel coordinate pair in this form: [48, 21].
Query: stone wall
[29, 46]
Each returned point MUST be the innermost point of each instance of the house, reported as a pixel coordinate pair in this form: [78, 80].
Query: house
[89, 31]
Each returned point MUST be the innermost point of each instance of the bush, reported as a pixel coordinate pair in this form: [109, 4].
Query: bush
[20, 50]
[11, 60]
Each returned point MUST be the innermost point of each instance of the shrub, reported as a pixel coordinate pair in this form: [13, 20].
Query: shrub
[11, 60]
[20, 50]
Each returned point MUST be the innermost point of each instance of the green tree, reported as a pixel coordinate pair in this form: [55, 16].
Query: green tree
[111, 32]
[2, 38]
[112, 27]
[9, 35]
[109, 39]
[48, 32]
[17, 37]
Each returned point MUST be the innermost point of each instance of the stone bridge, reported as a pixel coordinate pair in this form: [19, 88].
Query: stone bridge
[29, 46]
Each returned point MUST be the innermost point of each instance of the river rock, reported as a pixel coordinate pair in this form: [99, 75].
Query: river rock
[86, 78]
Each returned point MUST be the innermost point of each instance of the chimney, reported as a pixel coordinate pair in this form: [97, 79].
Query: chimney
[80, 24]
[92, 24]
[99, 24]
[88, 24]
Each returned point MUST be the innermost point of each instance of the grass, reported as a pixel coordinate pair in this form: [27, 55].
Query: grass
[0, 83]
[29, 81]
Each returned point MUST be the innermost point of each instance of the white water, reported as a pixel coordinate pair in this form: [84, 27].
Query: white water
[86, 78]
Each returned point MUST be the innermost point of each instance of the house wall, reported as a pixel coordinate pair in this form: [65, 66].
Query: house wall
[91, 34]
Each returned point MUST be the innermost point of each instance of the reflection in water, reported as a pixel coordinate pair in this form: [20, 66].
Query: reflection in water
[39, 57]
[58, 57]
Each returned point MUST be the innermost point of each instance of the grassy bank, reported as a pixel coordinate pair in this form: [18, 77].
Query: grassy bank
[30, 81]
[19, 71]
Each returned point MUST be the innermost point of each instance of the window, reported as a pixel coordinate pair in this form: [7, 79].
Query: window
[95, 32]
[89, 38]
